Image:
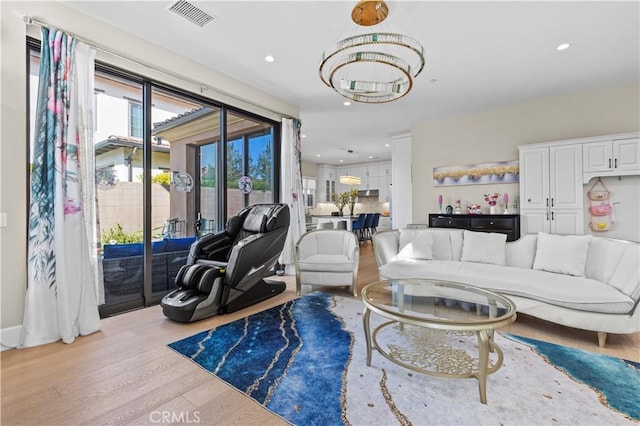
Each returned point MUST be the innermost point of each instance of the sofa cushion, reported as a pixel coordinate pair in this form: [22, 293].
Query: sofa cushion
[563, 254]
[484, 247]
[521, 253]
[626, 277]
[447, 244]
[326, 263]
[415, 244]
[603, 258]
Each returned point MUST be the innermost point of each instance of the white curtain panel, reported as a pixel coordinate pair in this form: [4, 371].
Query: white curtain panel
[61, 301]
[85, 65]
[291, 189]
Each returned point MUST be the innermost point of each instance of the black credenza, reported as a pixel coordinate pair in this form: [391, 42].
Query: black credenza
[503, 223]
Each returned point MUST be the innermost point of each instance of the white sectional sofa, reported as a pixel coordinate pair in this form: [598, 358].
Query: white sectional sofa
[585, 282]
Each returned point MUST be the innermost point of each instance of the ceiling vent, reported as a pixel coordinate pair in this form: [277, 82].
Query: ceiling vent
[191, 13]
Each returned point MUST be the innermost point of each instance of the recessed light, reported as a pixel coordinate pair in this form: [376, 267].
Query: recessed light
[371, 156]
[269, 58]
[317, 155]
[386, 144]
[303, 136]
[346, 103]
[563, 46]
[342, 161]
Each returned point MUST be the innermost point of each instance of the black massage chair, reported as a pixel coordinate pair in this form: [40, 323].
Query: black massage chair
[225, 270]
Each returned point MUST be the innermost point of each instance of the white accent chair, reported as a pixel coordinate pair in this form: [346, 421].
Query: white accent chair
[327, 257]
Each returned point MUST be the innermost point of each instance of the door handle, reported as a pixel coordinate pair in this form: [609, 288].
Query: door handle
[609, 162]
[615, 163]
[551, 215]
[547, 215]
[551, 201]
[547, 202]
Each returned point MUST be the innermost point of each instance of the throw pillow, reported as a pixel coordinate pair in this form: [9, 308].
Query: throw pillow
[484, 247]
[563, 254]
[415, 244]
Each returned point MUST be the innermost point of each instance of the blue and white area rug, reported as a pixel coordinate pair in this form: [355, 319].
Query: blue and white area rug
[305, 360]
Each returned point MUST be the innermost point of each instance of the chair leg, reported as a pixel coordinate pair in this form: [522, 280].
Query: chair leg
[298, 285]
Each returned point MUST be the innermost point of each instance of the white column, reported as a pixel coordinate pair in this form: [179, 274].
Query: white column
[401, 182]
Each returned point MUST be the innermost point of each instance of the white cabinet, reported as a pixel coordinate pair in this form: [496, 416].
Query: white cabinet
[372, 176]
[551, 189]
[384, 189]
[326, 183]
[384, 182]
[616, 157]
[369, 182]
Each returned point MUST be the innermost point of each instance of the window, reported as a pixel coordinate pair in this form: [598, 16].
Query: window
[135, 120]
[250, 158]
[186, 140]
[309, 192]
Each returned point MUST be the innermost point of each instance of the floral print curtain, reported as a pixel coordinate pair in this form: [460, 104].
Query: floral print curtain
[61, 301]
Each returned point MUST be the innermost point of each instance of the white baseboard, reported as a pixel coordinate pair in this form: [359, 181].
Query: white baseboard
[10, 337]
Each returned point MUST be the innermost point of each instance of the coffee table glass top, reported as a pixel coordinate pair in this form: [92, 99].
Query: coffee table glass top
[438, 302]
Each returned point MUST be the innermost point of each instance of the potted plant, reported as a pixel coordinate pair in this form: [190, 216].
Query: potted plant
[340, 200]
[353, 196]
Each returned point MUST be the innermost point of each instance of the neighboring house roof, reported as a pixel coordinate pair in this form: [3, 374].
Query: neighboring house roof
[115, 142]
[180, 119]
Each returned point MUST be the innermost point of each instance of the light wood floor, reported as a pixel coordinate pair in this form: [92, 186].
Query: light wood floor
[125, 374]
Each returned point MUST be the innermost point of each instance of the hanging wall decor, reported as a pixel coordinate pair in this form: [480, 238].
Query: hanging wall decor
[599, 207]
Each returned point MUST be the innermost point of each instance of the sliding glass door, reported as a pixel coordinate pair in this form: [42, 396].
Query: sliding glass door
[171, 167]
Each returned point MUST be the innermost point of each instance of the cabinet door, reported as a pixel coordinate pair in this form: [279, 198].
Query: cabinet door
[373, 182]
[532, 222]
[384, 191]
[626, 154]
[384, 170]
[534, 178]
[565, 178]
[570, 222]
[597, 156]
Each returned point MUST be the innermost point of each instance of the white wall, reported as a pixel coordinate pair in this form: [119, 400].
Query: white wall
[13, 117]
[493, 135]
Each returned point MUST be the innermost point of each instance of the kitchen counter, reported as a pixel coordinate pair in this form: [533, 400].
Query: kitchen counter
[317, 219]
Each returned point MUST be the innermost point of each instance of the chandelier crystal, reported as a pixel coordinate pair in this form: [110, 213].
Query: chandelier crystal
[374, 67]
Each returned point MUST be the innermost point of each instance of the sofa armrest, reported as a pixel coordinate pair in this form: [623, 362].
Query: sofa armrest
[385, 245]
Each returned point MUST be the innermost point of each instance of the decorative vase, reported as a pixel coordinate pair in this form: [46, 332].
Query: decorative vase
[492, 209]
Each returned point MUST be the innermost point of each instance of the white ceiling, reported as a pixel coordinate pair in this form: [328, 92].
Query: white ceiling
[482, 54]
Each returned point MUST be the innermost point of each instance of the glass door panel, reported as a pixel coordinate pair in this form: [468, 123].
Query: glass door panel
[250, 160]
[118, 154]
[183, 199]
[208, 190]
[235, 170]
[260, 168]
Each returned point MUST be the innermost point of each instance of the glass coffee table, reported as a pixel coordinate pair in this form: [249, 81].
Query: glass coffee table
[436, 327]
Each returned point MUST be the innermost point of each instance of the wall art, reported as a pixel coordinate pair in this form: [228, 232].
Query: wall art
[473, 174]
